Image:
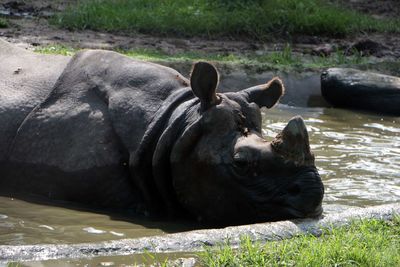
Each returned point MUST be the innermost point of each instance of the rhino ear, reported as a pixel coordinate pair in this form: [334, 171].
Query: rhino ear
[266, 95]
[204, 82]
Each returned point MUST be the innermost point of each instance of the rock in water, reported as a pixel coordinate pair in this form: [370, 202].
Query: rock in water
[355, 89]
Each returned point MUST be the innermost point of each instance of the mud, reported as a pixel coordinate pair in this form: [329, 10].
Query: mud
[30, 28]
[378, 9]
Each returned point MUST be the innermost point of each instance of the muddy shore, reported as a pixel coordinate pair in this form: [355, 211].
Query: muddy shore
[28, 27]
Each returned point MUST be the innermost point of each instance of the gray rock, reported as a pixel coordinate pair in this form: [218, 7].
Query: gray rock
[354, 89]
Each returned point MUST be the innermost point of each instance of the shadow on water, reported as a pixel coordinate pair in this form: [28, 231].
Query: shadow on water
[29, 220]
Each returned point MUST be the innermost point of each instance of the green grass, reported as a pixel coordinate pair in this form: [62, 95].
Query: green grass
[285, 59]
[3, 23]
[258, 19]
[365, 243]
[56, 50]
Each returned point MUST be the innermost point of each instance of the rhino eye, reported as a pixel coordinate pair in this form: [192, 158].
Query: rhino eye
[241, 163]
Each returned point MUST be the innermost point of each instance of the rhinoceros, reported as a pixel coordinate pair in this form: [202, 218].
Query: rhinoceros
[121, 134]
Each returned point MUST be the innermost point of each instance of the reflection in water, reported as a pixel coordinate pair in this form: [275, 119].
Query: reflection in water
[358, 157]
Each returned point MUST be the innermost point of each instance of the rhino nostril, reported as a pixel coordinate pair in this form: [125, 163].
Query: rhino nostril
[294, 190]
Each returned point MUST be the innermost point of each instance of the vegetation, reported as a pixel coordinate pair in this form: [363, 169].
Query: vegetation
[56, 50]
[363, 243]
[3, 23]
[279, 60]
[257, 19]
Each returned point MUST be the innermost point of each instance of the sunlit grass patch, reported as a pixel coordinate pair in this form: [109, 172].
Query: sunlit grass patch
[56, 50]
[362, 243]
[258, 19]
[3, 23]
[284, 59]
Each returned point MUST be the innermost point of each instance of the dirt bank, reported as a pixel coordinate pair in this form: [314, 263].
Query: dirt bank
[29, 28]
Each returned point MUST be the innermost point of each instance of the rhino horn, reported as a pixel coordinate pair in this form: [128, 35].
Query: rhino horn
[293, 144]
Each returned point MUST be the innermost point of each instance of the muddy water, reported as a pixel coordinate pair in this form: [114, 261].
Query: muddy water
[358, 156]
[29, 223]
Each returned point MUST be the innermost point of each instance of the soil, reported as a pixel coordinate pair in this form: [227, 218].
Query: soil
[378, 9]
[29, 28]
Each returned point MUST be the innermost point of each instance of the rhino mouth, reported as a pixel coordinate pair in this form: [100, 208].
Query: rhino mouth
[306, 202]
[300, 196]
[297, 213]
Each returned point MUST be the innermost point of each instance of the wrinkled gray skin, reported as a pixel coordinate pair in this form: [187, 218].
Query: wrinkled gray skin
[118, 133]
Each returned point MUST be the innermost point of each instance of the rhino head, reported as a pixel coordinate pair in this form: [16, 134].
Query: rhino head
[224, 171]
[208, 159]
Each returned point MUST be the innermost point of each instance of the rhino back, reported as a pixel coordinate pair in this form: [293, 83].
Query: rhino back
[25, 81]
[135, 91]
[84, 131]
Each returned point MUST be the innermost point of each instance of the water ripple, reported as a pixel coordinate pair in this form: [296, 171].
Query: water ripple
[357, 154]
